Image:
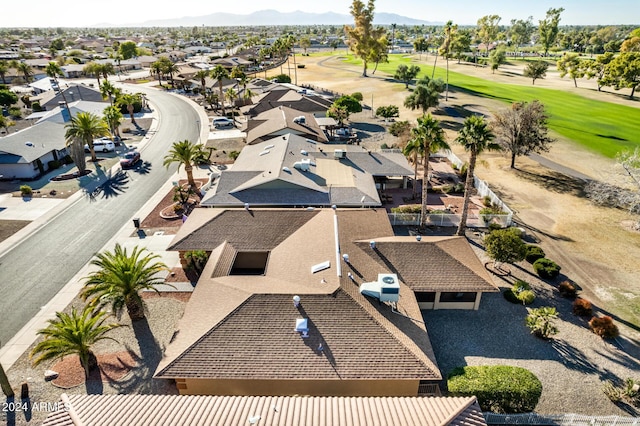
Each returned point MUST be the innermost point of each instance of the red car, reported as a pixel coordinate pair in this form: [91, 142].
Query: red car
[130, 159]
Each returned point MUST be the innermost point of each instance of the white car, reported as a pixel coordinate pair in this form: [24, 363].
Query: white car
[222, 122]
[101, 145]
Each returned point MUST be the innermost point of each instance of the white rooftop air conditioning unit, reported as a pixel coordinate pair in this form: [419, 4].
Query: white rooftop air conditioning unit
[386, 289]
[339, 154]
[300, 119]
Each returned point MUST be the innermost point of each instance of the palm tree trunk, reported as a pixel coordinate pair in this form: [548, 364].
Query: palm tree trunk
[446, 93]
[425, 185]
[89, 362]
[224, 112]
[4, 383]
[415, 175]
[189, 169]
[467, 194]
[134, 309]
[130, 109]
[94, 158]
[433, 72]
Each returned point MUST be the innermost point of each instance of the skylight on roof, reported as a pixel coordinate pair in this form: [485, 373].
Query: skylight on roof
[320, 266]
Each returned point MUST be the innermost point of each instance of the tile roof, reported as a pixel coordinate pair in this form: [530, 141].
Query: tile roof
[449, 263]
[170, 410]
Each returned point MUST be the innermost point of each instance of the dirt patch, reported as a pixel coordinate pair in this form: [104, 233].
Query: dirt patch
[10, 227]
[111, 368]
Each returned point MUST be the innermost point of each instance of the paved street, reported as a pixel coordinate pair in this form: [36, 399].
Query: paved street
[39, 266]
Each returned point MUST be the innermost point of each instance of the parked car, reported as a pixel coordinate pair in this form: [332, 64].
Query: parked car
[130, 159]
[222, 122]
[101, 145]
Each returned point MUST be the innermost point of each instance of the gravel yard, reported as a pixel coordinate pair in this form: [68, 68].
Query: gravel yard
[571, 367]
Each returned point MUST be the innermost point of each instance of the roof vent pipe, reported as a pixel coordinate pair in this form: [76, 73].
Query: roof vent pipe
[296, 301]
[345, 257]
[418, 237]
[372, 244]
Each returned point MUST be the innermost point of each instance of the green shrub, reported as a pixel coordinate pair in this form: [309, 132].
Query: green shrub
[540, 321]
[486, 201]
[409, 208]
[520, 293]
[604, 327]
[26, 190]
[533, 253]
[357, 96]
[499, 389]
[510, 296]
[582, 307]
[494, 226]
[53, 164]
[196, 260]
[282, 78]
[463, 171]
[567, 289]
[15, 112]
[526, 297]
[546, 269]
[399, 127]
[233, 155]
[36, 107]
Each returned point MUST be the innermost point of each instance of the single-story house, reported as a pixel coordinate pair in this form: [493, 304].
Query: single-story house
[284, 96]
[291, 302]
[171, 410]
[282, 120]
[290, 170]
[26, 154]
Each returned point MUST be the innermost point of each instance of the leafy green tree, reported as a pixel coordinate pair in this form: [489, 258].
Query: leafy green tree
[362, 36]
[522, 129]
[57, 44]
[476, 137]
[488, 28]
[548, 29]
[187, 154]
[7, 98]
[388, 111]
[496, 58]
[541, 321]
[113, 117]
[338, 113]
[623, 72]
[428, 136]
[420, 45]
[128, 49]
[631, 44]
[85, 127]
[406, 73]
[570, 64]
[4, 69]
[120, 278]
[521, 31]
[73, 334]
[305, 43]
[425, 95]
[379, 51]
[535, 70]
[220, 73]
[597, 68]
[460, 43]
[504, 246]
[349, 103]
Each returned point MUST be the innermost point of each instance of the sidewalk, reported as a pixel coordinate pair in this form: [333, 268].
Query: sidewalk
[126, 236]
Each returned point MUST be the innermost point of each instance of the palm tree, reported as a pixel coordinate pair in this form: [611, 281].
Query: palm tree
[113, 117]
[129, 100]
[187, 153]
[26, 71]
[426, 94]
[120, 278]
[6, 123]
[413, 150]
[202, 76]
[429, 136]
[84, 128]
[231, 96]
[73, 334]
[476, 137]
[446, 47]
[94, 69]
[170, 69]
[219, 73]
[156, 68]
[108, 90]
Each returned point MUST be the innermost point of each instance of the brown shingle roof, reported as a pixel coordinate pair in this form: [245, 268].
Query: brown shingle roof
[255, 230]
[170, 410]
[432, 264]
[258, 340]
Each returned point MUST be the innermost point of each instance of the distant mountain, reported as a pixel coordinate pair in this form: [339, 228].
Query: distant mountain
[273, 17]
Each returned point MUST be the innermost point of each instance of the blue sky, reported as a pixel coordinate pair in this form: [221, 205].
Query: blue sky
[47, 13]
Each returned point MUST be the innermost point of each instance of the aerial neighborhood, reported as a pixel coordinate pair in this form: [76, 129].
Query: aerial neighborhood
[352, 218]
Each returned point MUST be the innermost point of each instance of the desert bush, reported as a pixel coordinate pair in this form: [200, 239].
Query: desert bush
[357, 96]
[486, 201]
[493, 226]
[196, 260]
[604, 327]
[234, 155]
[399, 127]
[499, 388]
[26, 191]
[533, 253]
[567, 289]
[15, 112]
[546, 269]
[582, 307]
[540, 321]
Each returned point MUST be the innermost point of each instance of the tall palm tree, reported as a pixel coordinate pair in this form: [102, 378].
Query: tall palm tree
[231, 96]
[156, 68]
[187, 154]
[476, 137]
[413, 150]
[94, 69]
[220, 73]
[120, 278]
[129, 100]
[202, 76]
[446, 48]
[425, 95]
[113, 117]
[73, 334]
[108, 90]
[429, 136]
[26, 71]
[85, 127]
[107, 69]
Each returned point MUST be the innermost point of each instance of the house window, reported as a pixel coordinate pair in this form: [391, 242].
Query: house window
[250, 263]
[426, 296]
[457, 297]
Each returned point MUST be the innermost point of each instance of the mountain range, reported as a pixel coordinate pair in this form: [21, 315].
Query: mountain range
[275, 18]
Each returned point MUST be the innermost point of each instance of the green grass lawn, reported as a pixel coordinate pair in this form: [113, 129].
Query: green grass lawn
[603, 127]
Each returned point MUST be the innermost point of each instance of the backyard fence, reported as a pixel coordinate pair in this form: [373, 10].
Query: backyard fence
[450, 219]
[559, 419]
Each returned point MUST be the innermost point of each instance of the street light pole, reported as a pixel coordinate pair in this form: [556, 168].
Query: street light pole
[198, 128]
